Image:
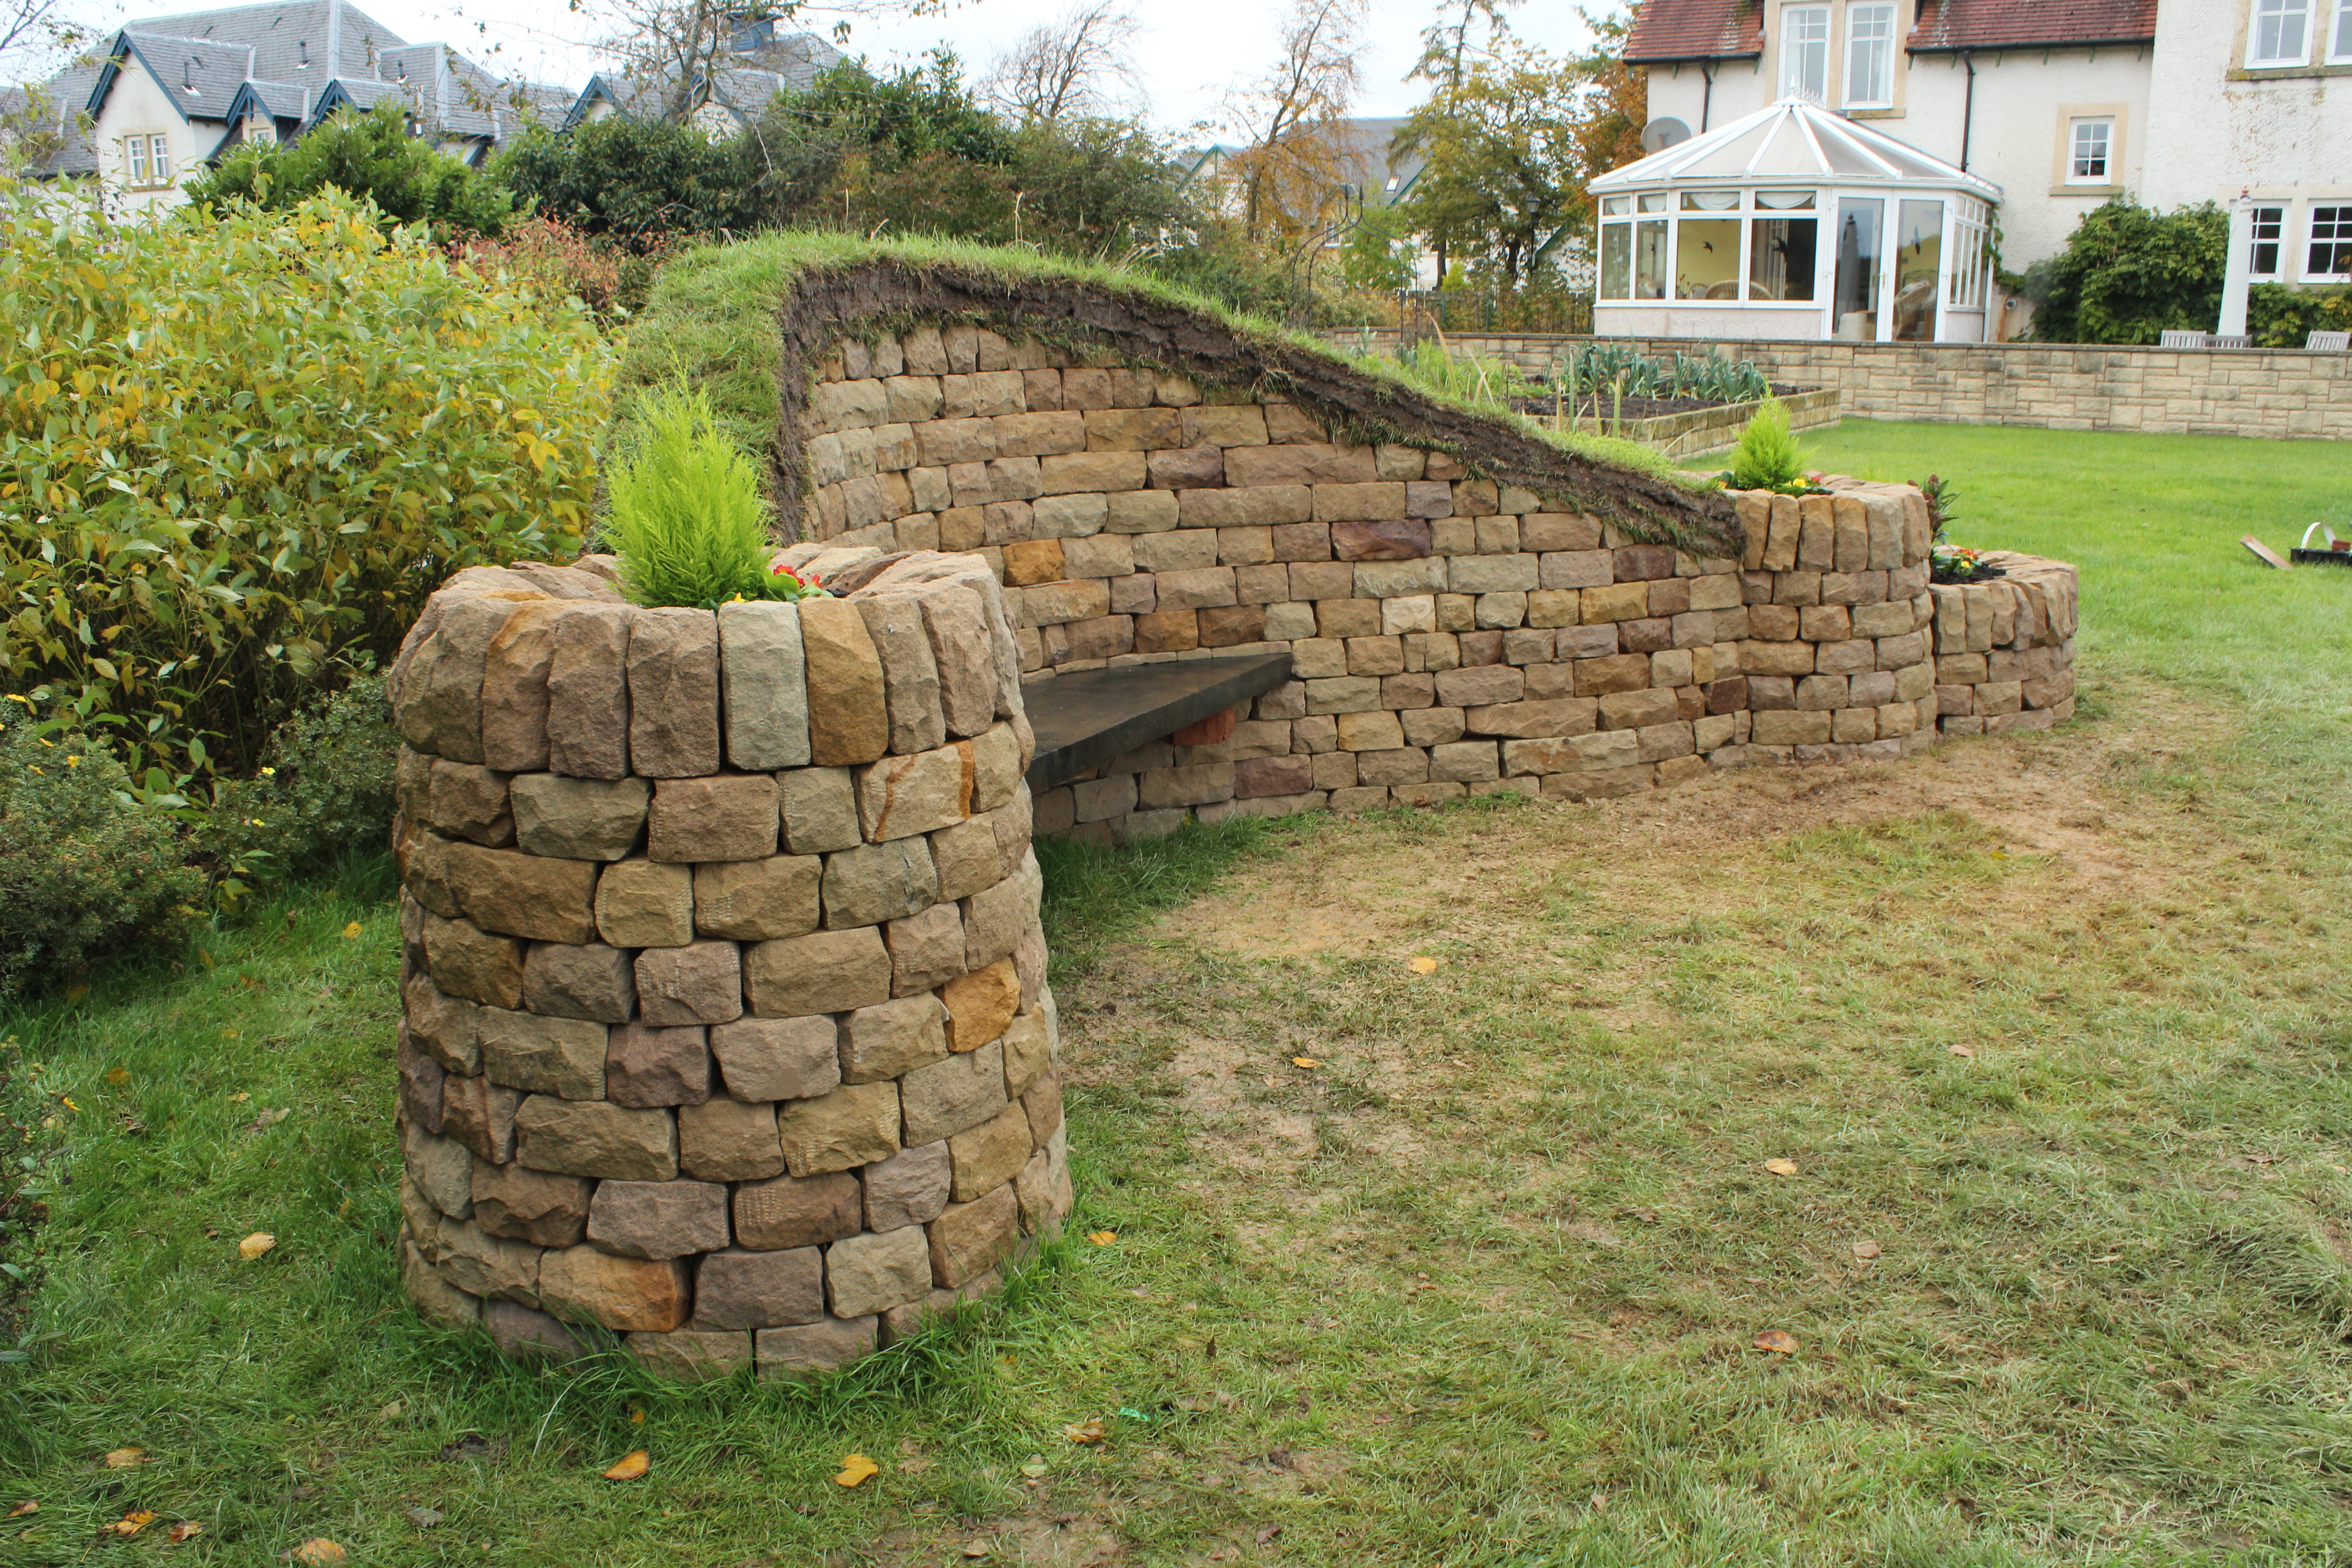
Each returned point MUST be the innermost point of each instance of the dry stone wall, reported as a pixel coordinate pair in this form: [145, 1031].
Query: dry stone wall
[2005, 650]
[726, 1023]
[1449, 636]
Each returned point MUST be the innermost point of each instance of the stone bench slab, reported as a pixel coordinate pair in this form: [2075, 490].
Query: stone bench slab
[1087, 719]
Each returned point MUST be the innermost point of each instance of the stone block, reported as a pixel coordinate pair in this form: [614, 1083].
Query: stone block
[590, 1138]
[985, 1157]
[873, 1273]
[981, 1004]
[879, 882]
[738, 1288]
[758, 900]
[587, 692]
[658, 1221]
[437, 684]
[910, 1188]
[483, 1265]
[927, 949]
[579, 819]
[562, 1056]
[673, 664]
[587, 980]
[968, 1240]
[798, 1211]
[643, 903]
[701, 982]
[649, 1066]
[514, 699]
[437, 1300]
[777, 1059]
[902, 795]
[911, 672]
[951, 1096]
[855, 1125]
[793, 1354]
[1790, 727]
[507, 892]
[891, 1038]
[731, 816]
[1043, 1103]
[442, 1170]
[1615, 602]
[820, 809]
[534, 1206]
[481, 1115]
[996, 918]
[729, 1141]
[446, 1028]
[464, 800]
[691, 1355]
[1548, 716]
[825, 972]
[849, 709]
[955, 619]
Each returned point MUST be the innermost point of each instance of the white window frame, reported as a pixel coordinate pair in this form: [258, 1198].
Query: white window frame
[159, 159]
[2340, 47]
[1878, 12]
[2340, 241]
[2271, 18]
[1815, 48]
[2276, 239]
[2075, 126]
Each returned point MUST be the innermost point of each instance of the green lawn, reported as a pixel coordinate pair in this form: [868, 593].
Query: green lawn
[1483, 1284]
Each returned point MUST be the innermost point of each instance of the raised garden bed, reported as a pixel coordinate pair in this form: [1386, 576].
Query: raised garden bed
[1685, 427]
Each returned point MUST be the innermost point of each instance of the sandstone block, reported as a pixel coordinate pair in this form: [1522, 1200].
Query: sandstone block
[649, 1066]
[507, 891]
[658, 1220]
[701, 982]
[445, 1027]
[562, 1056]
[848, 706]
[968, 1240]
[825, 972]
[441, 1169]
[1393, 539]
[952, 1096]
[644, 904]
[1043, 1106]
[955, 618]
[901, 796]
[911, 673]
[855, 1125]
[536, 1207]
[738, 1288]
[691, 1355]
[731, 817]
[926, 949]
[910, 1188]
[579, 819]
[514, 689]
[798, 1211]
[981, 1004]
[1550, 716]
[481, 1115]
[792, 1353]
[435, 1299]
[879, 882]
[489, 1266]
[777, 1059]
[421, 1084]
[998, 758]
[438, 703]
[588, 692]
[892, 1038]
[590, 1138]
[758, 900]
[673, 667]
[1028, 1052]
[871, 1274]
[586, 980]
[985, 1157]
[820, 810]
[464, 800]
[764, 677]
[729, 1141]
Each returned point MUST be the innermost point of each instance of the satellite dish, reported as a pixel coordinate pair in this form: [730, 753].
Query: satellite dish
[1662, 133]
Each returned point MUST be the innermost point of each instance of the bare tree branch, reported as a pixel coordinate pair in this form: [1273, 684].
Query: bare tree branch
[1082, 65]
[1289, 175]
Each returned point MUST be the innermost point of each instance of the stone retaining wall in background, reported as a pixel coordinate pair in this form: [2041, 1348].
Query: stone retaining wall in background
[727, 1028]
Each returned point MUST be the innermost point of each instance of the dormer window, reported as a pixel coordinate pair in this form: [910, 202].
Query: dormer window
[2281, 34]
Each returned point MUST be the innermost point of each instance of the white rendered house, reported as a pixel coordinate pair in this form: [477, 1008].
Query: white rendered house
[2059, 104]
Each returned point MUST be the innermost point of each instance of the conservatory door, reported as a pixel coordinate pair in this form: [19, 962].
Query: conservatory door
[1856, 310]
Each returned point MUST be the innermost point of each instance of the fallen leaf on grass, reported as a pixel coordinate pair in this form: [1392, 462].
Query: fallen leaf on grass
[254, 1246]
[318, 1553]
[187, 1529]
[123, 1458]
[1962, 1051]
[21, 1509]
[1865, 1250]
[1777, 1340]
[636, 1414]
[1424, 965]
[1304, 1062]
[1087, 1431]
[239, 1097]
[391, 1412]
[133, 1523]
[1102, 1237]
[1267, 1532]
[975, 1549]
[118, 1076]
[1035, 1466]
[631, 1469]
[267, 1119]
[422, 1517]
[353, 929]
[1781, 1168]
[856, 1469]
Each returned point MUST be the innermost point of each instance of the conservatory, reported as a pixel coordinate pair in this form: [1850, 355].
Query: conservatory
[1794, 222]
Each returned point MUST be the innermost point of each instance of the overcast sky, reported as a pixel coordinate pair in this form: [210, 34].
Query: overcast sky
[1193, 52]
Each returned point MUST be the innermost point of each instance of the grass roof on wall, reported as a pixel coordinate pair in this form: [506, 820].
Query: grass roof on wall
[747, 321]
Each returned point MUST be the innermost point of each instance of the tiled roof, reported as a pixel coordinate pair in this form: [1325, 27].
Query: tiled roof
[1695, 30]
[1996, 24]
[744, 83]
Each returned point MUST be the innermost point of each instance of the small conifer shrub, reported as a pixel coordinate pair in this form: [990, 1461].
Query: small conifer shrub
[1768, 457]
[688, 518]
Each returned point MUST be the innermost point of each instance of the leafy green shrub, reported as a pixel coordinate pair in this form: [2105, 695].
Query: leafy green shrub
[688, 517]
[84, 869]
[2130, 273]
[232, 455]
[1768, 456]
[368, 156]
[325, 788]
[2279, 317]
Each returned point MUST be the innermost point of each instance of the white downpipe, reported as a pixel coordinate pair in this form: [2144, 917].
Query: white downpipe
[2237, 275]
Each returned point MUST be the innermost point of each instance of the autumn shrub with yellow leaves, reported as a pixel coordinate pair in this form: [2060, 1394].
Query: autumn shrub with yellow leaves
[238, 451]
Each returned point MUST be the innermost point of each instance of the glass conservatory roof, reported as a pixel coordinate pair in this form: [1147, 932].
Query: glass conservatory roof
[1794, 140]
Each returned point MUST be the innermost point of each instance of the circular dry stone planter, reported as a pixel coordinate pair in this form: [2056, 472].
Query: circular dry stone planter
[725, 1019]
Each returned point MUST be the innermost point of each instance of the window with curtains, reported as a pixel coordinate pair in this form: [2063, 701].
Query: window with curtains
[1805, 52]
[1870, 57]
[2281, 32]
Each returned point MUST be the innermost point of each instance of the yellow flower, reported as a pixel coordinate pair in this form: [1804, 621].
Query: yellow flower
[269, 773]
